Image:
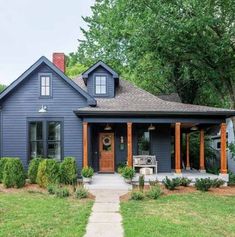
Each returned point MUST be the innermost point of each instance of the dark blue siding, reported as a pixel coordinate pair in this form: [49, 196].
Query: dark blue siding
[25, 102]
[161, 147]
[110, 82]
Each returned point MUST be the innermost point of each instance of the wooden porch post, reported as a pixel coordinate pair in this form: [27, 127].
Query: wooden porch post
[202, 151]
[177, 148]
[187, 151]
[223, 155]
[85, 144]
[129, 144]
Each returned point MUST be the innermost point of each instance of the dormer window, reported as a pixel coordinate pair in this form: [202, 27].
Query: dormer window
[45, 85]
[100, 85]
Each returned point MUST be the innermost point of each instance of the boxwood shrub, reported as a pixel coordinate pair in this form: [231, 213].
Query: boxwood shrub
[68, 171]
[13, 173]
[33, 170]
[2, 165]
[48, 172]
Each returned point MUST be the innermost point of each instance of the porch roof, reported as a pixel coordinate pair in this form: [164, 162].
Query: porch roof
[131, 100]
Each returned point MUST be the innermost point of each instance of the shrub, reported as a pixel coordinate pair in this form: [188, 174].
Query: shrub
[141, 183]
[51, 188]
[48, 172]
[155, 192]
[2, 165]
[87, 172]
[185, 181]
[171, 184]
[68, 171]
[128, 173]
[203, 184]
[137, 195]
[33, 170]
[62, 192]
[231, 178]
[153, 183]
[120, 168]
[81, 192]
[13, 173]
[216, 183]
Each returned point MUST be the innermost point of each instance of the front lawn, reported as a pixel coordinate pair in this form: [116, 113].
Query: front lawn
[36, 214]
[195, 214]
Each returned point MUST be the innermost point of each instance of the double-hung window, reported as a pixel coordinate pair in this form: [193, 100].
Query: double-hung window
[45, 85]
[45, 139]
[100, 85]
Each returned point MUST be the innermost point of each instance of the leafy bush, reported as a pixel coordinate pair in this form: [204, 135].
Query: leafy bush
[48, 172]
[231, 178]
[137, 195]
[2, 165]
[128, 173]
[155, 192]
[68, 171]
[13, 173]
[185, 181]
[51, 188]
[33, 170]
[216, 183]
[203, 184]
[62, 192]
[141, 183]
[81, 192]
[87, 172]
[120, 168]
[171, 184]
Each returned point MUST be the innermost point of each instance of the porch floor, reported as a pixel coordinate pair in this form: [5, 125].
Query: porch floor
[190, 174]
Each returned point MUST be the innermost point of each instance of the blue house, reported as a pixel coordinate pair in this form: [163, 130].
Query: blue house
[100, 119]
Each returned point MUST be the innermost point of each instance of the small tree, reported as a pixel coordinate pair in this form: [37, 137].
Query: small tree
[68, 171]
[33, 170]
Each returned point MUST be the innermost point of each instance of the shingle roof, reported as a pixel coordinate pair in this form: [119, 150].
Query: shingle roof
[130, 98]
[174, 97]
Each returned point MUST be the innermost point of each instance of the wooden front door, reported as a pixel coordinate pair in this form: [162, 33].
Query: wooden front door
[106, 151]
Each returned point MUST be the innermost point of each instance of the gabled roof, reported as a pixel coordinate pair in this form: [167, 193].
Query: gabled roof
[91, 101]
[131, 100]
[98, 64]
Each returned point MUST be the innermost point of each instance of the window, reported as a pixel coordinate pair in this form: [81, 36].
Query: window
[100, 85]
[45, 139]
[143, 137]
[45, 85]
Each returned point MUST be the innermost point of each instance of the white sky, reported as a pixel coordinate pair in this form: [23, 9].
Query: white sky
[30, 29]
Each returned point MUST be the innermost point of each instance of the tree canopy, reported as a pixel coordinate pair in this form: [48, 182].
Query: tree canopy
[2, 87]
[183, 46]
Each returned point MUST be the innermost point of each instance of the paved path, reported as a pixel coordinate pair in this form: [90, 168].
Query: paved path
[105, 219]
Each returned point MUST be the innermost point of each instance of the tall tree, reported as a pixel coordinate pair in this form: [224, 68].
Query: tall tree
[2, 87]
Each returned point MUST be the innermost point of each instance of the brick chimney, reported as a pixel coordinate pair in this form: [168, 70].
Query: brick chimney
[59, 61]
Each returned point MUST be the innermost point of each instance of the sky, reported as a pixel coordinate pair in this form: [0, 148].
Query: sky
[30, 29]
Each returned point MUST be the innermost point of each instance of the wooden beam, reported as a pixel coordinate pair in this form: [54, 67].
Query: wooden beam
[187, 151]
[177, 148]
[223, 153]
[202, 151]
[85, 144]
[129, 145]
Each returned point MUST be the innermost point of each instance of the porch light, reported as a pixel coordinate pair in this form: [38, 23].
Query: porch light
[151, 127]
[107, 127]
[194, 128]
[43, 109]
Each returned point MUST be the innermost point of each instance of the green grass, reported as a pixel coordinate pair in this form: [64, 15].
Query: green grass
[197, 214]
[34, 214]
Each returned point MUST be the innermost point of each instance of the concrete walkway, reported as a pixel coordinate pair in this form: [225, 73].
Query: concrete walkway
[105, 219]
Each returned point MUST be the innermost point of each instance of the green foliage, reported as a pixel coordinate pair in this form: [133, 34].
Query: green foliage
[13, 173]
[155, 192]
[62, 192]
[81, 192]
[87, 172]
[137, 195]
[33, 170]
[141, 183]
[48, 172]
[51, 188]
[231, 148]
[216, 183]
[2, 165]
[231, 180]
[68, 171]
[153, 183]
[171, 184]
[185, 181]
[120, 168]
[2, 87]
[128, 173]
[203, 184]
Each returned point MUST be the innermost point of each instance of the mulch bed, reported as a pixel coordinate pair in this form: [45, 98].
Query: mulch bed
[223, 191]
